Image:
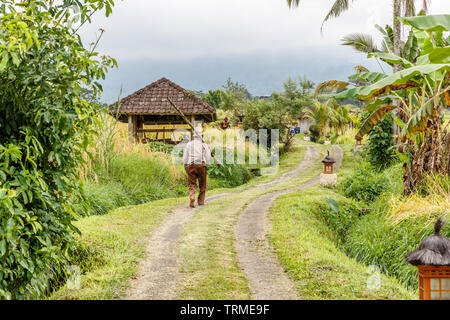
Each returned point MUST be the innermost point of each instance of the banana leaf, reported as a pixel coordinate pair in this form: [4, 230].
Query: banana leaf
[393, 82]
[367, 77]
[428, 23]
[411, 49]
[373, 119]
[390, 58]
[437, 55]
[371, 107]
[388, 39]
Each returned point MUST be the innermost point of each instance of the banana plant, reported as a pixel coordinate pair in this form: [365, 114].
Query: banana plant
[420, 93]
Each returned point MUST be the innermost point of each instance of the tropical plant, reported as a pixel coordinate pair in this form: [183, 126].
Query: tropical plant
[321, 114]
[329, 115]
[45, 127]
[419, 94]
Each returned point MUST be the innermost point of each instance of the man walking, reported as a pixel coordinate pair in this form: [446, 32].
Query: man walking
[196, 155]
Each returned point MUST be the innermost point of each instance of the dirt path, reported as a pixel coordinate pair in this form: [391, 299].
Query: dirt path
[266, 277]
[157, 274]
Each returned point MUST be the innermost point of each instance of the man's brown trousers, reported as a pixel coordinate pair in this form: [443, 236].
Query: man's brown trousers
[194, 172]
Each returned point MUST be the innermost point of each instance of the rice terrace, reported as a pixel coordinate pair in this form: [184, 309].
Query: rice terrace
[224, 150]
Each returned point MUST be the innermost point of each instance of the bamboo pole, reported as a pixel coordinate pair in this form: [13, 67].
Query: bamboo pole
[190, 125]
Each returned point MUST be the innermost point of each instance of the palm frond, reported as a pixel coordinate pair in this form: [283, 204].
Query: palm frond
[293, 3]
[338, 7]
[360, 42]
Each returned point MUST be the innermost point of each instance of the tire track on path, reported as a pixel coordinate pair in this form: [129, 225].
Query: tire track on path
[157, 274]
[258, 260]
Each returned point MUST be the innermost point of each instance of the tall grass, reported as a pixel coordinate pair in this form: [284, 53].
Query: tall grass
[119, 173]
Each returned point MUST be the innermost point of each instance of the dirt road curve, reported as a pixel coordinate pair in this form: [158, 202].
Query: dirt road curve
[267, 279]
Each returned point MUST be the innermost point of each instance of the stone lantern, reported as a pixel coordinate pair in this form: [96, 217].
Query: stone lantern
[433, 261]
[358, 140]
[328, 177]
[327, 139]
[358, 143]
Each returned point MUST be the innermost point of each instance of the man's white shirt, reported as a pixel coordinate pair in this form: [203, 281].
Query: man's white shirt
[196, 152]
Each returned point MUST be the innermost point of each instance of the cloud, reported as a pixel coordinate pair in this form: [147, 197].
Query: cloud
[152, 32]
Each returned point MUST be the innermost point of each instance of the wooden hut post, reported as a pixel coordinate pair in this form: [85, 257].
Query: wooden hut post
[132, 128]
[140, 127]
[164, 134]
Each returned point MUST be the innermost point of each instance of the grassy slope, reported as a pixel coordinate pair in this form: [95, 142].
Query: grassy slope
[307, 249]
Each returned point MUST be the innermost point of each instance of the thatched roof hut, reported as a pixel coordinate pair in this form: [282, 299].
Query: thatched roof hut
[150, 106]
[433, 251]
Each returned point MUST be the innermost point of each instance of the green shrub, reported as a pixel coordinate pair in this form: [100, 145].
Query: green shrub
[364, 184]
[102, 197]
[156, 146]
[45, 125]
[314, 132]
[380, 150]
[228, 175]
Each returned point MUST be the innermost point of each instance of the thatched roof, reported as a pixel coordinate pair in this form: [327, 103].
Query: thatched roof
[328, 159]
[433, 251]
[152, 100]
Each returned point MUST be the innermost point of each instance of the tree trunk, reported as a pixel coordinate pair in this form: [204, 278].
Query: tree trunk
[397, 29]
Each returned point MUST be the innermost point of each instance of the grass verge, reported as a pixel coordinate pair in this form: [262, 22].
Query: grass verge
[115, 242]
[307, 250]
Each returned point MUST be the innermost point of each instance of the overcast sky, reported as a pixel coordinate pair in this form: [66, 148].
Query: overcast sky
[200, 43]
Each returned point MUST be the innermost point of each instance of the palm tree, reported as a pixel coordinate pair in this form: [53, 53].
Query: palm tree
[401, 8]
[320, 113]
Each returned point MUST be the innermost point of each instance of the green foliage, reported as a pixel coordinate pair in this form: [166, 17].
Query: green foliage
[213, 98]
[130, 179]
[374, 240]
[340, 215]
[364, 184]
[234, 96]
[380, 151]
[45, 125]
[228, 175]
[281, 111]
[156, 146]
